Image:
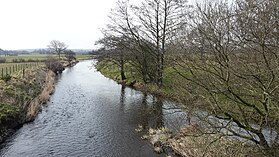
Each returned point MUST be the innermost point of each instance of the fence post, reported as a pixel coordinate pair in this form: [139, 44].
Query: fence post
[2, 72]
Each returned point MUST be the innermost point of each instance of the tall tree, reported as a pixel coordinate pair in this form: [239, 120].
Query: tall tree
[157, 20]
[58, 47]
[139, 49]
[150, 27]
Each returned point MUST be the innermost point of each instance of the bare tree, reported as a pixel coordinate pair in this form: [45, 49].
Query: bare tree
[157, 20]
[58, 47]
[228, 57]
[116, 52]
[139, 49]
[237, 76]
[70, 56]
[150, 27]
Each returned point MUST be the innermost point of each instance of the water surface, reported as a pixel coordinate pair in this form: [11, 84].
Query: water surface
[89, 115]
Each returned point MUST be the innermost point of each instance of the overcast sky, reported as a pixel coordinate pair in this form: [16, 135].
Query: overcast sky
[34, 23]
[28, 24]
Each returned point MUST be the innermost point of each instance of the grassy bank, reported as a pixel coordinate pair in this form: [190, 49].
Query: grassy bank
[10, 68]
[187, 141]
[171, 89]
[21, 98]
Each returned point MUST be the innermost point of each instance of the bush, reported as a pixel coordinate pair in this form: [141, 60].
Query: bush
[18, 60]
[33, 60]
[2, 60]
[54, 65]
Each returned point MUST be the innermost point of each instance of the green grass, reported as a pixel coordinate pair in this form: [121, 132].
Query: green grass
[7, 110]
[172, 81]
[83, 56]
[4, 65]
[193, 96]
[18, 91]
[38, 57]
[112, 71]
[10, 68]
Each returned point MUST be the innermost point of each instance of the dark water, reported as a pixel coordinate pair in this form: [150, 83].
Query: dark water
[89, 115]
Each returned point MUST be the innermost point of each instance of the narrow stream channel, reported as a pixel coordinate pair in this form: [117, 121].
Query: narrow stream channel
[89, 115]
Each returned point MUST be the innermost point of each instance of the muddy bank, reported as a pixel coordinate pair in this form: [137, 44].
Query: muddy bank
[22, 98]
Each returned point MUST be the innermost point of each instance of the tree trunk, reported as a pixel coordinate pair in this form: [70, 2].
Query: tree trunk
[122, 71]
[158, 53]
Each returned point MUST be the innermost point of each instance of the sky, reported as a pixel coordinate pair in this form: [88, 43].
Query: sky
[28, 24]
[32, 24]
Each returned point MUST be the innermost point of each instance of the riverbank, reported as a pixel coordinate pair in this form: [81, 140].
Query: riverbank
[22, 96]
[190, 140]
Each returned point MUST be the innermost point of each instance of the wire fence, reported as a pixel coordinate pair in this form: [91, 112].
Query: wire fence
[12, 68]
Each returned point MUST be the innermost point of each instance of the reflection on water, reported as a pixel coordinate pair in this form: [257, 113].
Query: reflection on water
[153, 112]
[150, 109]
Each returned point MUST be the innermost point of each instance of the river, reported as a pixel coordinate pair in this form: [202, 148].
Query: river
[89, 115]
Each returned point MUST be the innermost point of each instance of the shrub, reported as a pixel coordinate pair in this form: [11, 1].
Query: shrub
[2, 60]
[21, 60]
[31, 60]
[18, 60]
[54, 65]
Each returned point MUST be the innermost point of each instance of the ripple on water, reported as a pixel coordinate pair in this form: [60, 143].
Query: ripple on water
[88, 115]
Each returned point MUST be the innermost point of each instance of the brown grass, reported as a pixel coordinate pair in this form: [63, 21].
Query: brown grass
[35, 105]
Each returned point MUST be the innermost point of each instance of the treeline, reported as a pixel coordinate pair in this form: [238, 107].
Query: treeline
[226, 55]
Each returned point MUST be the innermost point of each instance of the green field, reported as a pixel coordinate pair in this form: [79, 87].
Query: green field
[37, 57]
[10, 68]
[17, 63]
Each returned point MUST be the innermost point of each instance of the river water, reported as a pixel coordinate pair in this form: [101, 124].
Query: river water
[89, 115]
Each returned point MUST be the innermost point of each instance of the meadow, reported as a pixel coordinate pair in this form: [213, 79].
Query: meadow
[27, 57]
[16, 63]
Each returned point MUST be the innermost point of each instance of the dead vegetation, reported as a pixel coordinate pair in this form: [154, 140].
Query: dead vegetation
[192, 141]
